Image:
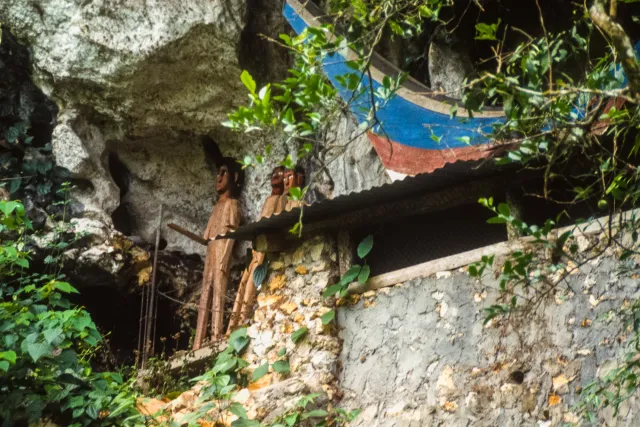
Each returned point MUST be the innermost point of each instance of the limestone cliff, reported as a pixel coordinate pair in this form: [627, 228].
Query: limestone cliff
[138, 82]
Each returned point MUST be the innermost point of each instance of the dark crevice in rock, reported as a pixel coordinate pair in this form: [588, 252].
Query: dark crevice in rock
[123, 221]
[212, 154]
[264, 59]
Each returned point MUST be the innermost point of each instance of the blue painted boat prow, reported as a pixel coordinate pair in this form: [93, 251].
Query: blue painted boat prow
[418, 134]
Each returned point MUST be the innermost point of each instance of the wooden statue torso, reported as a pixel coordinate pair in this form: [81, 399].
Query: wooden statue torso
[224, 218]
[274, 204]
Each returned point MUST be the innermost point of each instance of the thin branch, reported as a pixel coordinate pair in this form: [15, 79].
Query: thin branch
[621, 43]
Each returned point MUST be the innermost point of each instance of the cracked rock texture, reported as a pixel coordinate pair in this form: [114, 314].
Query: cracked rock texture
[417, 354]
[142, 80]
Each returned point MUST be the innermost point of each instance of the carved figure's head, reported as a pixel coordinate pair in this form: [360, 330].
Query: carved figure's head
[277, 181]
[289, 180]
[294, 178]
[230, 178]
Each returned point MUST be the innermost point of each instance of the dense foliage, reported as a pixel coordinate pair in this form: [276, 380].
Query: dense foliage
[46, 344]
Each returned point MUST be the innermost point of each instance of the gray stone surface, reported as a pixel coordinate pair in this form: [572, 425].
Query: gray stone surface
[143, 79]
[146, 65]
[448, 67]
[417, 354]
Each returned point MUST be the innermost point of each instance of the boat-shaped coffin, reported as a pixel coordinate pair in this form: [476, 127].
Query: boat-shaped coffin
[418, 133]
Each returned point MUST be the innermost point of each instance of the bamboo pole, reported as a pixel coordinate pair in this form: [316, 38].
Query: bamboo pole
[151, 314]
[140, 327]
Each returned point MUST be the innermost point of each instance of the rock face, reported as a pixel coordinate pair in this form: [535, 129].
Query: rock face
[143, 75]
[137, 84]
[448, 67]
[147, 66]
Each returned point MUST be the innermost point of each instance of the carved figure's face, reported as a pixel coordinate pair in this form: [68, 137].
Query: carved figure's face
[277, 180]
[222, 180]
[289, 180]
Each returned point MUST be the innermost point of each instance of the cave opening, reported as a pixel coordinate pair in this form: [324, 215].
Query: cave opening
[116, 311]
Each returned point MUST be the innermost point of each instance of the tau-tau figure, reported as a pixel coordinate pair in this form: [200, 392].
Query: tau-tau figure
[224, 218]
[274, 204]
[293, 178]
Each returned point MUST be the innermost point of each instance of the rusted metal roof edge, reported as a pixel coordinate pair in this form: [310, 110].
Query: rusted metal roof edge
[449, 175]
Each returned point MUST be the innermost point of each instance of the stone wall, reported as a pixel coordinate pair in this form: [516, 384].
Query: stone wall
[291, 298]
[418, 354]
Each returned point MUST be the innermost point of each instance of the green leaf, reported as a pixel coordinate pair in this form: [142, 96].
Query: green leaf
[12, 134]
[364, 274]
[66, 287]
[9, 356]
[223, 366]
[298, 335]
[51, 334]
[295, 193]
[37, 350]
[496, 220]
[265, 93]
[22, 263]
[259, 274]
[351, 274]
[15, 185]
[238, 410]
[248, 81]
[332, 290]
[241, 422]
[240, 343]
[328, 317]
[4, 365]
[425, 12]
[281, 366]
[365, 246]
[316, 413]
[504, 210]
[8, 207]
[92, 412]
[487, 31]
[291, 419]
[260, 372]
[289, 118]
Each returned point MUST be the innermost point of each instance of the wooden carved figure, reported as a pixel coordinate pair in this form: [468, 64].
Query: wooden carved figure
[293, 178]
[224, 218]
[245, 297]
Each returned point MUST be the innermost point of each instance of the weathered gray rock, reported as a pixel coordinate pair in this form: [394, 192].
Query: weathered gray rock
[80, 148]
[352, 162]
[145, 65]
[448, 67]
[138, 82]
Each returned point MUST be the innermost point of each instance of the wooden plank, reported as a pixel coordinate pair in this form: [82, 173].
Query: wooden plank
[434, 266]
[188, 234]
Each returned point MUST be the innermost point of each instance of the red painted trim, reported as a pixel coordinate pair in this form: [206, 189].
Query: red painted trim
[413, 161]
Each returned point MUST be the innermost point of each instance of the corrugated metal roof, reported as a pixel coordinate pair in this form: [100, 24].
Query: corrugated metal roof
[420, 185]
